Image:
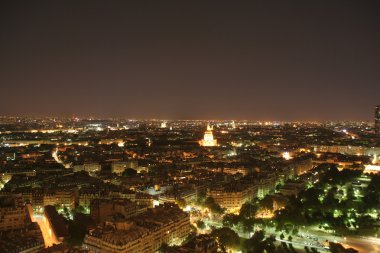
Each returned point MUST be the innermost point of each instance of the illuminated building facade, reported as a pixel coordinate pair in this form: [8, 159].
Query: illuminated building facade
[89, 167]
[120, 167]
[208, 138]
[266, 185]
[104, 209]
[147, 232]
[232, 197]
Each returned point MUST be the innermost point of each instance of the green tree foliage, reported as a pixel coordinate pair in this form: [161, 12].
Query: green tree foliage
[213, 206]
[248, 210]
[78, 228]
[201, 224]
[333, 204]
[129, 172]
[258, 243]
[267, 203]
[372, 193]
[227, 237]
[230, 220]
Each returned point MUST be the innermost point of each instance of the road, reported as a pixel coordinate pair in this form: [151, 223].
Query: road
[360, 243]
[54, 154]
[47, 234]
[363, 244]
[316, 238]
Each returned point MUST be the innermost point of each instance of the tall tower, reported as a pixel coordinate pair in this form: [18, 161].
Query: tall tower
[377, 119]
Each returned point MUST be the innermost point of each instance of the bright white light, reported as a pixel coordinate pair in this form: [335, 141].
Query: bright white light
[156, 203]
[374, 160]
[371, 168]
[286, 156]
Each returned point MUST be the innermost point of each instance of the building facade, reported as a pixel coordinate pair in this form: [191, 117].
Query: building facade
[143, 233]
[12, 213]
[232, 197]
[104, 209]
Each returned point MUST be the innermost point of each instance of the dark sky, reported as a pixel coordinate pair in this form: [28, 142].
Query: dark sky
[266, 60]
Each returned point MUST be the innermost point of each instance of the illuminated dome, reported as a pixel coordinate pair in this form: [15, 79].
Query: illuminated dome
[208, 138]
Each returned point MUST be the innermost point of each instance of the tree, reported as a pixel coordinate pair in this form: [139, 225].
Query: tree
[79, 209]
[213, 206]
[201, 198]
[181, 203]
[267, 203]
[201, 224]
[248, 210]
[78, 228]
[227, 237]
[129, 172]
[230, 220]
[258, 243]
[164, 248]
[247, 225]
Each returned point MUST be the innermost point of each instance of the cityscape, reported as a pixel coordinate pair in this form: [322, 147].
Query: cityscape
[189, 126]
[113, 185]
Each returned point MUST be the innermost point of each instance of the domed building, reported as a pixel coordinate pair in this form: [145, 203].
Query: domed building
[208, 138]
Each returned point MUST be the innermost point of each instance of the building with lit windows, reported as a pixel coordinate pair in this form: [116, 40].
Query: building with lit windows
[232, 196]
[88, 167]
[120, 167]
[266, 185]
[144, 233]
[12, 213]
[106, 209]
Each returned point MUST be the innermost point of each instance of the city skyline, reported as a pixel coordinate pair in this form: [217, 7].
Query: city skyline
[258, 61]
[190, 126]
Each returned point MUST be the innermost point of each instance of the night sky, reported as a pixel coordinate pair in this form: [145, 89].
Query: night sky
[266, 60]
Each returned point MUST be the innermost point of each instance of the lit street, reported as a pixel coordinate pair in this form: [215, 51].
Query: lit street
[45, 229]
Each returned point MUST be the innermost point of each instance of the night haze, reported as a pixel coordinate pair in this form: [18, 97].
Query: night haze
[266, 60]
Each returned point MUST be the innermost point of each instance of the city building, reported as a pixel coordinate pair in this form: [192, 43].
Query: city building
[88, 167]
[292, 188]
[144, 233]
[17, 231]
[86, 196]
[232, 196]
[103, 210]
[43, 197]
[119, 167]
[266, 185]
[208, 138]
[27, 240]
[12, 213]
